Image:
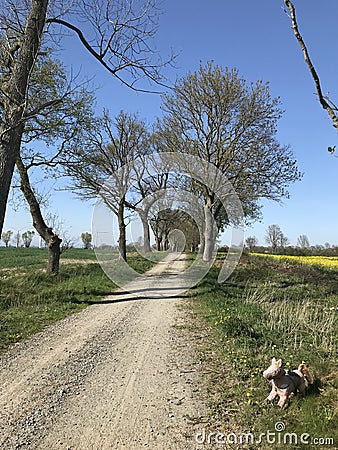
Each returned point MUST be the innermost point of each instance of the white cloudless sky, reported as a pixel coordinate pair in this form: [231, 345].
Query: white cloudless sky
[255, 37]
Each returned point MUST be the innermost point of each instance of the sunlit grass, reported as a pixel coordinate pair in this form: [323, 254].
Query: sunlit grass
[271, 308]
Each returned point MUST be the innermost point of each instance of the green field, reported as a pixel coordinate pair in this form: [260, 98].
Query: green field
[270, 308]
[30, 299]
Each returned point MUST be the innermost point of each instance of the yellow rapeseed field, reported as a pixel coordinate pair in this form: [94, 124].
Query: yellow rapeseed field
[330, 262]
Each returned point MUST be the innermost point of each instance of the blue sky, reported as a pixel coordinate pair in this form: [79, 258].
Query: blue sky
[256, 38]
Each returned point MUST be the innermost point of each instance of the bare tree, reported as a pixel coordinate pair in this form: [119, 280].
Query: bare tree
[51, 238]
[117, 34]
[272, 237]
[275, 238]
[14, 84]
[325, 101]
[105, 167]
[283, 241]
[303, 241]
[17, 239]
[149, 181]
[56, 223]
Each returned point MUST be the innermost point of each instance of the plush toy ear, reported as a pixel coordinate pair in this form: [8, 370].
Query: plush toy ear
[274, 361]
[279, 363]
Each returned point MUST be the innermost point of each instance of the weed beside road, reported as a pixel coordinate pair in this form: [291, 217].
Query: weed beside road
[270, 308]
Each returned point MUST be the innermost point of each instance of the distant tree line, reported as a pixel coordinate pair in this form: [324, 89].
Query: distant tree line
[25, 237]
[294, 250]
[278, 243]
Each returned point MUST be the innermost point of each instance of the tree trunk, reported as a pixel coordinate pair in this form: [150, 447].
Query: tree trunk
[166, 243]
[14, 95]
[208, 233]
[10, 143]
[52, 240]
[202, 244]
[54, 255]
[158, 243]
[122, 231]
[146, 232]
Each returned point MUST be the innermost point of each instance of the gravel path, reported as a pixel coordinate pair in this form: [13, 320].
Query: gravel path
[119, 375]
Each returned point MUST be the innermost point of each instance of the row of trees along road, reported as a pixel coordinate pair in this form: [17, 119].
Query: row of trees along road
[212, 113]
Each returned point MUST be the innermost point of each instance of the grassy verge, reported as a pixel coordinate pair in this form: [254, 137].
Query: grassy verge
[30, 299]
[270, 308]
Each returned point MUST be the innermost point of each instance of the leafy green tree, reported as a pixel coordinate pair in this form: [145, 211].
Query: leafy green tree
[215, 115]
[6, 237]
[27, 238]
[86, 240]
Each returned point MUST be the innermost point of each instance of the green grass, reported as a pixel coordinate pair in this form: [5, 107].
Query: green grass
[22, 257]
[270, 308]
[30, 299]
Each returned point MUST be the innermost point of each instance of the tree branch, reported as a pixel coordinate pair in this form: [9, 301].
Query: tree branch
[323, 102]
[119, 67]
[38, 109]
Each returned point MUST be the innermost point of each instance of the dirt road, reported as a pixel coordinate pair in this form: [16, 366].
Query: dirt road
[119, 375]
